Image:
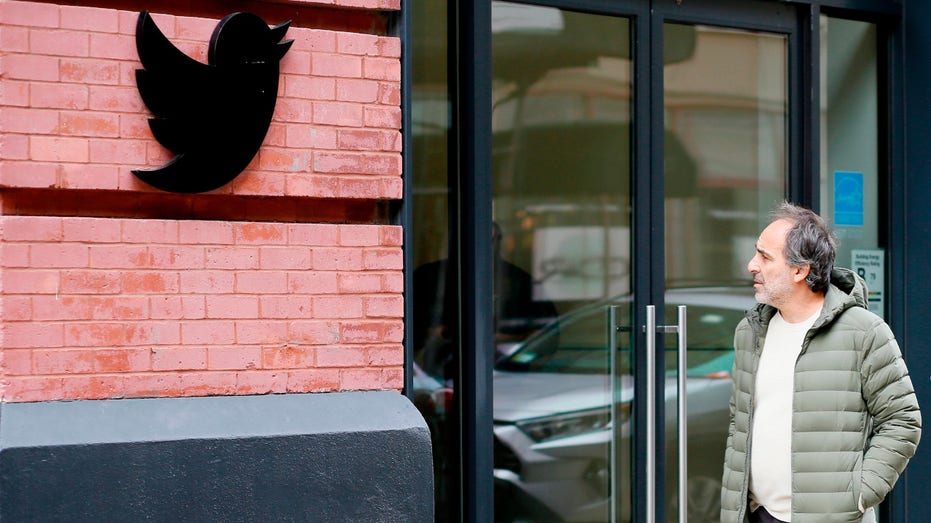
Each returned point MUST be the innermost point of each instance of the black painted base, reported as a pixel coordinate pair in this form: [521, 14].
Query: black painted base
[359, 456]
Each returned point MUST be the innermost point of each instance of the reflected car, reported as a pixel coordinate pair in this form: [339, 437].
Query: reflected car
[553, 424]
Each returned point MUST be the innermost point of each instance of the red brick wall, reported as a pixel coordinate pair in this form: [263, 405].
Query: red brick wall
[123, 304]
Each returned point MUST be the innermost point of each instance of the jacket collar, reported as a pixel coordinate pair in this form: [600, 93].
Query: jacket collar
[847, 289]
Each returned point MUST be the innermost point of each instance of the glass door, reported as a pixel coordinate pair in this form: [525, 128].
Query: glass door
[636, 148]
[725, 116]
[561, 136]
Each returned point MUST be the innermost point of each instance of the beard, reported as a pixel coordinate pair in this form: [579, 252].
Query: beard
[774, 292]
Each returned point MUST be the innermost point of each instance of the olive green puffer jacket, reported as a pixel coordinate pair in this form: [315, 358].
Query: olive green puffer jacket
[855, 421]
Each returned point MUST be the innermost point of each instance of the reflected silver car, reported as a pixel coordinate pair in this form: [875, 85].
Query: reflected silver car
[552, 423]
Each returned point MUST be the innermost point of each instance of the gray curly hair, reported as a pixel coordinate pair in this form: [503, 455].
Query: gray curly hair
[809, 242]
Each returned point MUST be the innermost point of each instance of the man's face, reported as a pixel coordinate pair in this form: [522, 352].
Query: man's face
[773, 279]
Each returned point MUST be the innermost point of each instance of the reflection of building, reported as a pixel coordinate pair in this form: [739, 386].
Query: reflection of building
[627, 147]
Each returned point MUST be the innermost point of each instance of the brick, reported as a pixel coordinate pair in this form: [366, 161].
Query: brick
[357, 90]
[357, 44]
[89, 230]
[359, 283]
[90, 19]
[391, 235]
[336, 65]
[374, 68]
[262, 282]
[177, 307]
[389, 47]
[338, 113]
[15, 255]
[29, 281]
[261, 382]
[59, 42]
[60, 361]
[94, 71]
[90, 282]
[260, 234]
[229, 358]
[200, 232]
[313, 380]
[152, 333]
[149, 282]
[113, 46]
[383, 117]
[232, 306]
[177, 257]
[384, 355]
[15, 308]
[360, 140]
[293, 111]
[358, 235]
[373, 331]
[31, 120]
[314, 40]
[92, 387]
[134, 126]
[30, 67]
[392, 188]
[119, 152]
[90, 124]
[14, 147]
[122, 360]
[284, 160]
[58, 255]
[313, 234]
[261, 332]
[226, 258]
[310, 88]
[383, 259]
[341, 357]
[208, 384]
[31, 228]
[208, 282]
[288, 357]
[87, 176]
[149, 231]
[336, 259]
[14, 39]
[120, 257]
[295, 63]
[314, 332]
[393, 282]
[29, 388]
[179, 358]
[290, 258]
[360, 379]
[94, 334]
[31, 14]
[384, 306]
[165, 384]
[313, 186]
[123, 99]
[359, 187]
[207, 332]
[285, 307]
[341, 306]
[16, 362]
[57, 149]
[389, 94]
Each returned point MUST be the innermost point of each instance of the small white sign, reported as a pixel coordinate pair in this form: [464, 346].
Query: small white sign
[870, 264]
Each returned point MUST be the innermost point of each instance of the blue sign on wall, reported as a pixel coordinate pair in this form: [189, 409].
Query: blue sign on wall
[848, 198]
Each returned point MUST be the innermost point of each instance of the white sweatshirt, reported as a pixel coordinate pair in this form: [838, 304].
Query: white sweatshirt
[771, 453]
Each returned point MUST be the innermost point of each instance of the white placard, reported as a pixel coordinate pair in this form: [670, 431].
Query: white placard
[870, 264]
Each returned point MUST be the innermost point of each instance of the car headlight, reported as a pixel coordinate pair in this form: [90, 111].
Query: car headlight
[571, 424]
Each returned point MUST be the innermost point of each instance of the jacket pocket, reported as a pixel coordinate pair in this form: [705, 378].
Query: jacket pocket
[856, 481]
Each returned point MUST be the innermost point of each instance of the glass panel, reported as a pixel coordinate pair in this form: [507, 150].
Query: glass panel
[725, 103]
[850, 148]
[435, 299]
[561, 146]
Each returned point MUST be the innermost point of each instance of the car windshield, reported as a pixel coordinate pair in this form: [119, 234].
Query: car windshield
[576, 343]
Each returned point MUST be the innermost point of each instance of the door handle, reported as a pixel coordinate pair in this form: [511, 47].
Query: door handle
[650, 405]
[613, 329]
[651, 328]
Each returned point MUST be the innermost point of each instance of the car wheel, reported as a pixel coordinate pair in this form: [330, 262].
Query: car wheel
[704, 501]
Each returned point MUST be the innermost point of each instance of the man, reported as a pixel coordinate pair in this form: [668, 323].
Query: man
[823, 414]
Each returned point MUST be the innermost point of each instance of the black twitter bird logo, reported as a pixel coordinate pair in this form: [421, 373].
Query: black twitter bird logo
[212, 116]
